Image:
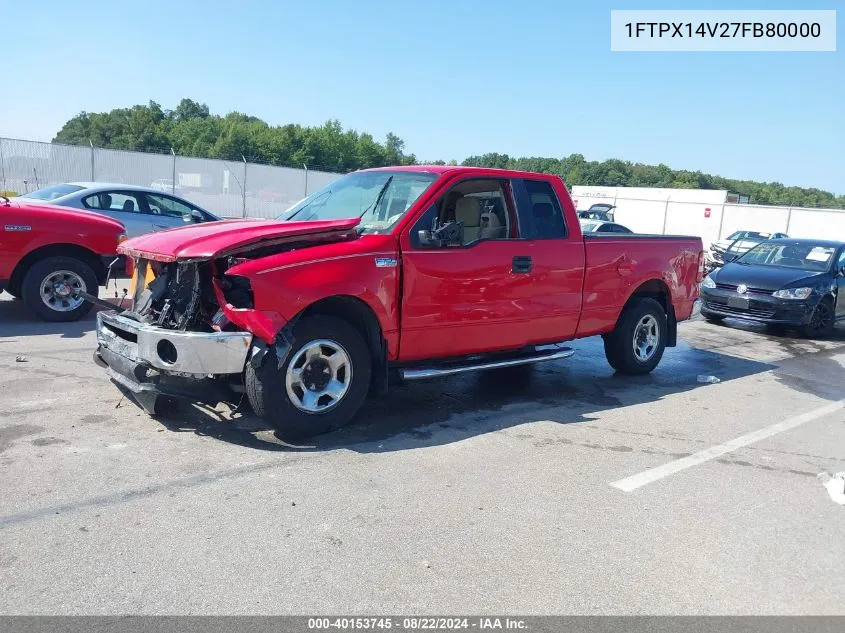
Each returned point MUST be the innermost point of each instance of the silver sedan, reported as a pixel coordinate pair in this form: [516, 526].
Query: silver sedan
[140, 209]
[598, 226]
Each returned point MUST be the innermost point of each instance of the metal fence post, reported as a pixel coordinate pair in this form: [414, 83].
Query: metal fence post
[788, 219]
[91, 143]
[306, 180]
[243, 189]
[173, 185]
[665, 214]
[2, 165]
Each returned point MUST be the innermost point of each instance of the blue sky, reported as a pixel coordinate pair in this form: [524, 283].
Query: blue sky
[452, 78]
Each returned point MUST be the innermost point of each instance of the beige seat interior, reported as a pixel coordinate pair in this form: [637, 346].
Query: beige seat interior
[491, 226]
[468, 211]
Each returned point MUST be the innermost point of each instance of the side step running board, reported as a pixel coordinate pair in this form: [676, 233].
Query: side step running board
[555, 353]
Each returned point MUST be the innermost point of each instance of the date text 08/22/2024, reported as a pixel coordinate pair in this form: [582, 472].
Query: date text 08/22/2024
[416, 623]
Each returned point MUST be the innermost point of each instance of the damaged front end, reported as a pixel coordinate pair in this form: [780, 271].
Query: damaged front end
[176, 339]
[191, 326]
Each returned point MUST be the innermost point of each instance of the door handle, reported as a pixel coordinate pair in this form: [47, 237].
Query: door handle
[522, 264]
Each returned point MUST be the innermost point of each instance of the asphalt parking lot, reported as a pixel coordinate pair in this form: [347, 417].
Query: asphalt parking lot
[517, 492]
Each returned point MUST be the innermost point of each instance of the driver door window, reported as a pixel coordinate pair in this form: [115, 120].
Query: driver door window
[470, 212]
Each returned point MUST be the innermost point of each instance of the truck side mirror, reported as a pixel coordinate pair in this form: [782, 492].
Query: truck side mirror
[429, 240]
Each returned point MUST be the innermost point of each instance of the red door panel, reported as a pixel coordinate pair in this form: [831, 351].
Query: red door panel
[460, 301]
[469, 300]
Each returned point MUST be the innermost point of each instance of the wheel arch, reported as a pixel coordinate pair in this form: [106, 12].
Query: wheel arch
[658, 290]
[362, 317]
[55, 250]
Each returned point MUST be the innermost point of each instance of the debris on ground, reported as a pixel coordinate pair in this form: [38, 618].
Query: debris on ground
[21, 359]
[835, 486]
[708, 380]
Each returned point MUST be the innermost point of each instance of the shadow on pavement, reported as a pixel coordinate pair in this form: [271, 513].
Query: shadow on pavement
[808, 365]
[17, 320]
[442, 411]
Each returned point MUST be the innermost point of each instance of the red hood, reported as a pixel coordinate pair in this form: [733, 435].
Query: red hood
[76, 216]
[217, 239]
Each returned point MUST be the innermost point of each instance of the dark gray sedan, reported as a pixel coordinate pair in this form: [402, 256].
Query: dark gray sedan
[798, 283]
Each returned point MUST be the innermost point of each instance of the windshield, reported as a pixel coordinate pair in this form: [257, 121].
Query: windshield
[51, 193]
[379, 198]
[811, 256]
[749, 235]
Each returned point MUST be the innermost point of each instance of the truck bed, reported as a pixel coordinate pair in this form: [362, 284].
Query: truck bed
[616, 264]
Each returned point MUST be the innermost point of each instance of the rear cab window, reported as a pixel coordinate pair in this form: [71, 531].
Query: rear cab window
[540, 211]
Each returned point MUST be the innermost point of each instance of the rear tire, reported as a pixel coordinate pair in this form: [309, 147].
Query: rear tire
[321, 384]
[637, 344]
[46, 281]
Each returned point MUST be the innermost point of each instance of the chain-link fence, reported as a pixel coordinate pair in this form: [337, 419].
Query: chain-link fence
[228, 188]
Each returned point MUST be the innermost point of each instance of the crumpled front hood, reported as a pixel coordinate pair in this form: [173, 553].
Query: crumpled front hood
[218, 239]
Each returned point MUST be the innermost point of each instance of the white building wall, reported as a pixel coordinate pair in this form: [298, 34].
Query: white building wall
[704, 213]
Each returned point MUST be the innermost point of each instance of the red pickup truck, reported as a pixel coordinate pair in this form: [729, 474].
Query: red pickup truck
[48, 254]
[412, 271]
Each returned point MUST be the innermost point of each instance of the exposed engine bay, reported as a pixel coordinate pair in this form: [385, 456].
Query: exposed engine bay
[181, 296]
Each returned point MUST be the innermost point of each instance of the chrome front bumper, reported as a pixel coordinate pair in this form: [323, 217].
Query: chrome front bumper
[175, 352]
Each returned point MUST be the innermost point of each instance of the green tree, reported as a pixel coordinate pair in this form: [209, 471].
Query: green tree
[191, 130]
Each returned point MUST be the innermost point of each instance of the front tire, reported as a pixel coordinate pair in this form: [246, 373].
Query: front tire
[49, 287]
[321, 384]
[637, 344]
[822, 320]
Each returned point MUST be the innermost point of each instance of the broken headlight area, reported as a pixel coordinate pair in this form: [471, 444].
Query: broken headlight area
[237, 291]
[181, 296]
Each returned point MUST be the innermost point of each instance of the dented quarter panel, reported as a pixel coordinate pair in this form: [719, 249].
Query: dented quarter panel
[617, 267]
